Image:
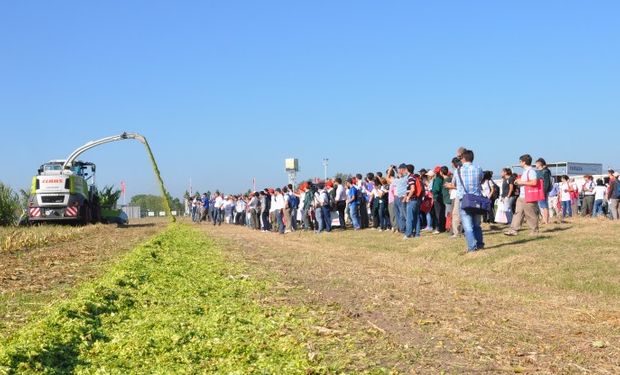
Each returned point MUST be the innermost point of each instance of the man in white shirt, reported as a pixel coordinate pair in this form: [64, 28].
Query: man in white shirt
[587, 207]
[217, 211]
[278, 207]
[525, 210]
[341, 202]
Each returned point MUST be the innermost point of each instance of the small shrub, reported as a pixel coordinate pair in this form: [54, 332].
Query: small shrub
[9, 205]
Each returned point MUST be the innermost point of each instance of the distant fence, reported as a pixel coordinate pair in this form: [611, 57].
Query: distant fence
[132, 212]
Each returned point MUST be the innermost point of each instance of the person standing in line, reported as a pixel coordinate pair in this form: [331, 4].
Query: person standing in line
[391, 180]
[384, 219]
[439, 207]
[306, 210]
[273, 220]
[412, 203]
[399, 196]
[446, 196]
[217, 209]
[325, 200]
[204, 209]
[196, 208]
[352, 201]
[544, 173]
[265, 206]
[508, 192]
[294, 206]
[599, 197]
[287, 211]
[525, 211]
[253, 206]
[587, 208]
[341, 202]
[555, 208]
[613, 194]
[468, 178]
[318, 209]
[565, 197]
[574, 196]
[363, 201]
[457, 228]
[279, 210]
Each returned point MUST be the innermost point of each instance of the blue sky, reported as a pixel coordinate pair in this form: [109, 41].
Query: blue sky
[225, 91]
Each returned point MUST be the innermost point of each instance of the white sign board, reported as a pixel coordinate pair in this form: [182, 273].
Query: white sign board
[151, 214]
[584, 169]
[162, 213]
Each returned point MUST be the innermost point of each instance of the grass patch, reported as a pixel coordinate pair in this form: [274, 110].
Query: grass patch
[173, 305]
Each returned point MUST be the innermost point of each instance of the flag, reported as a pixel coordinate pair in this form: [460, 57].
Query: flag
[123, 187]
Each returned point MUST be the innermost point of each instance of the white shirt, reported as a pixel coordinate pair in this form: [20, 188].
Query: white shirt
[588, 185]
[529, 174]
[564, 194]
[341, 194]
[279, 202]
[487, 188]
[218, 202]
[599, 192]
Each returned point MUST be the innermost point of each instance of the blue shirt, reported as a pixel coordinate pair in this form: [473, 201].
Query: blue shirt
[401, 186]
[205, 202]
[471, 176]
[352, 194]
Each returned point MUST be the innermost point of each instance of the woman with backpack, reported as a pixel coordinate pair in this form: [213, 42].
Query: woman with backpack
[491, 191]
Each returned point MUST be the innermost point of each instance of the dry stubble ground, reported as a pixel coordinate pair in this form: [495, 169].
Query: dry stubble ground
[546, 304]
[33, 278]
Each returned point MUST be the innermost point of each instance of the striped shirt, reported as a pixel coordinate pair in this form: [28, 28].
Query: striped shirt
[471, 176]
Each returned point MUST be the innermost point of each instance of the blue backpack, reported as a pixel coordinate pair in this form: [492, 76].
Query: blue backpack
[293, 201]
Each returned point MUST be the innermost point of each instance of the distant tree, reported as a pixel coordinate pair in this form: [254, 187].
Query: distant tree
[148, 202]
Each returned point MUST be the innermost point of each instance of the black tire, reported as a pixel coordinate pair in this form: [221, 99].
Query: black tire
[86, 214]
[96, 213]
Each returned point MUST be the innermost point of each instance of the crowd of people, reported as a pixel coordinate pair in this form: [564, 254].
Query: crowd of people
[453, 200]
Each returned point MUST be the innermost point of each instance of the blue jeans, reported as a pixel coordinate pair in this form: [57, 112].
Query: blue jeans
[293, 219]
[473, 231]
[567, 209]
[327, 218]
[353, 212]
[399, 212]
[413, 213]
[384, 219]
[280, 221]
[217, 216]
[318, 215]
[598, 208]
[429, 221]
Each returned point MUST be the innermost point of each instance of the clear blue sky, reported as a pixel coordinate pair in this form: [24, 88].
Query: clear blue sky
[226, 90]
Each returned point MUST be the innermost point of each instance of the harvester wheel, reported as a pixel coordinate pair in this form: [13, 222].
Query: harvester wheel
[86, 214]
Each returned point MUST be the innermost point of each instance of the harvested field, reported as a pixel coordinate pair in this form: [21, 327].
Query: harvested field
[546, 304]
[57, 259]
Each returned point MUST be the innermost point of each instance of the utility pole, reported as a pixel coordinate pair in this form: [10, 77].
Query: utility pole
[325, 164]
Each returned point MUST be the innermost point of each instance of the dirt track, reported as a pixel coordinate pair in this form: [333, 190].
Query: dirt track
[436, 310]
[31, 279]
